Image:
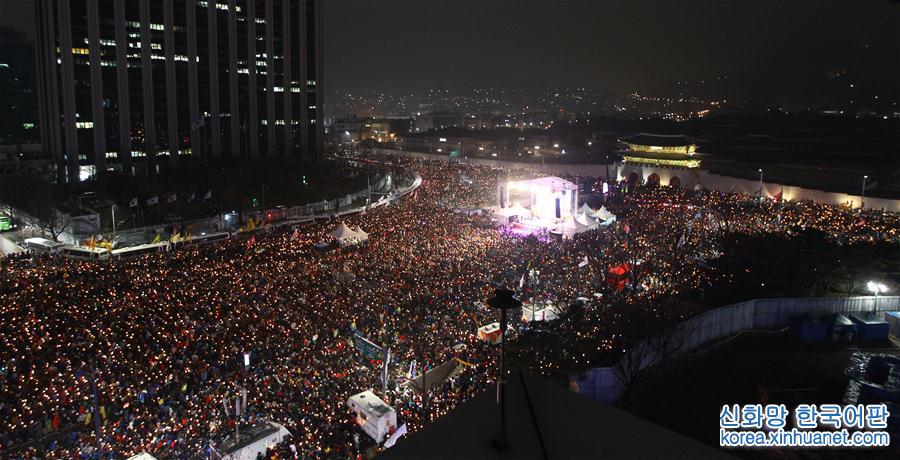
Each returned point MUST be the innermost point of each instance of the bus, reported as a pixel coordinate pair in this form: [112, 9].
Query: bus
[251, 443]
[6, 223]
[84, 253]
[140, 250]
[210, 237]
[42, 245]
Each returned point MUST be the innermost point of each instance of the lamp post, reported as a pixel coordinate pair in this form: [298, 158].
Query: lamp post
[240, 401]
[862, 196]
[503, 300]
[760, 184]
[876, 288]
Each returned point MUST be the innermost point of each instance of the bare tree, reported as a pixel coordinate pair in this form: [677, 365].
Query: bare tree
[35, 202]
[656, 350]
[633, 362]
[51, 222]
[672, 341]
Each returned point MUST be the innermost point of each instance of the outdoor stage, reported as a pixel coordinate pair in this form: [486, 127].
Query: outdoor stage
[543, 207]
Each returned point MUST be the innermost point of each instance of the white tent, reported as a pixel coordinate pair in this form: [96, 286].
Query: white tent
[342, 232]
[586, 220]
[587, 210]
[570, 228]
[605, 216]
[360, 234]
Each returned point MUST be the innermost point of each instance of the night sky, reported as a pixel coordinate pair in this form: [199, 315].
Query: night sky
[615, 45]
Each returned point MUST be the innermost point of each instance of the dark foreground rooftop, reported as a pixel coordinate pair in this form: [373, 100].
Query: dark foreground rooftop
[571, 426]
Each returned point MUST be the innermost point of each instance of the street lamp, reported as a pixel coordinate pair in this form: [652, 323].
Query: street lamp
[862, 196]
[876, 288]
[760, 185]
[503, 300]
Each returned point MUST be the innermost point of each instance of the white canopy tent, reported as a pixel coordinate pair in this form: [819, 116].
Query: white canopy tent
[589, 211]
[605, 217]
[342, 232]
[586, 220]
[360, 234]
[570, 227]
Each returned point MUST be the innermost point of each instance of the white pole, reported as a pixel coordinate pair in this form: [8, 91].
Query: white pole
[113, 211]
[760, 184]
[862, 199]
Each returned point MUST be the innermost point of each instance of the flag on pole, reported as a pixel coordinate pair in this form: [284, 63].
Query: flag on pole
[251, 242]
[296, 234]
[153, 200]
[172, 198]
[522, 281]
[192, 197]
[133, 203]
[583, 262]
[778, 196]
[208, 195]
[385, 368]
[156, 239]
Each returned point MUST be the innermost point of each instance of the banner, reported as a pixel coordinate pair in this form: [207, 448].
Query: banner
[385, 369]
[392, 439]
[366, 347]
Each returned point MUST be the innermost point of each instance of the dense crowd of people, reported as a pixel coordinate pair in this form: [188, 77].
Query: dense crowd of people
[149, 352]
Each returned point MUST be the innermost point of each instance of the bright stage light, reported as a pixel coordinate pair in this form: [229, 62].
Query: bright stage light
[544, 196]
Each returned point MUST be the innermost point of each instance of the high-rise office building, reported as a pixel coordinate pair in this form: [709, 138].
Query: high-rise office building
[18, 106]
[136, 84]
